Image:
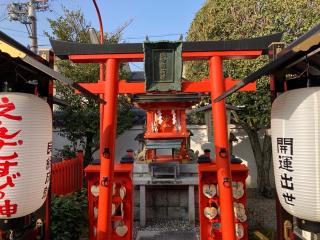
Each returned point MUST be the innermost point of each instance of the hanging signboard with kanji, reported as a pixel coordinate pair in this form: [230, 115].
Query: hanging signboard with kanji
[163, 66]
[25, 153]
[295, 125]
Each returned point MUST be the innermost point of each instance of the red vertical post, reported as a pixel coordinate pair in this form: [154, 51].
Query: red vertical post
[220, 132]
[80, 167]
[107, 150]
[55, 178]
[74, 178]
[149, 120]
[65, 179]
[67, 174]
[72, 173]
[62, 182]
[183, 121]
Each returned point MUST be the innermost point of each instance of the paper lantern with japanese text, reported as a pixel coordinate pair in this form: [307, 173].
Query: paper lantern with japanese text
[25, 153]
[295, 126]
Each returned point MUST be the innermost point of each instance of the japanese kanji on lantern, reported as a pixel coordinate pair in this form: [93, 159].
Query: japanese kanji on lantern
[295, 125]
[25, 153]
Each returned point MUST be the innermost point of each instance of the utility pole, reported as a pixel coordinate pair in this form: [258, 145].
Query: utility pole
[33, 27]
[25, 13]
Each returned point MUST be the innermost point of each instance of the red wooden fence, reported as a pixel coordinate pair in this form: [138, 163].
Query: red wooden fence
[67, 176]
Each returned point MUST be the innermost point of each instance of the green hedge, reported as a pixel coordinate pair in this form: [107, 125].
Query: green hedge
[69, 219]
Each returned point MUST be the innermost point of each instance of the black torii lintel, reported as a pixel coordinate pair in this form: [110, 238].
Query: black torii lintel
[63, 49]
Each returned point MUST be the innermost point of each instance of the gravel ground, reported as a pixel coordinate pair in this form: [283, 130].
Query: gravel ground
[261, 215]
[164, 225]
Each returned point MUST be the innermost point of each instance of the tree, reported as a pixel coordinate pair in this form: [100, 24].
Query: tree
[239, 19]
[79, 120]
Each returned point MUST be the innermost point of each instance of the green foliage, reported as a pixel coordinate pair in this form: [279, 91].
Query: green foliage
[71, 26]
[79, 120]
[69, 216]
[239, 19]
[66, 152]
[196, 118]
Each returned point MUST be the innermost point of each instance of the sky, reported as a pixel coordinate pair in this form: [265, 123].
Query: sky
[159, 19]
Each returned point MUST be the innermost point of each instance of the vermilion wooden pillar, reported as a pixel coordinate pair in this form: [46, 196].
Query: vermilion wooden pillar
[221, 149]
[107, 150]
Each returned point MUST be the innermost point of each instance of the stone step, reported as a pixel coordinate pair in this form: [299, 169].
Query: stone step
[169, 235]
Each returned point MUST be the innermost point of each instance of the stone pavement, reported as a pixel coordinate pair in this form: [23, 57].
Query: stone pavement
[169, 235]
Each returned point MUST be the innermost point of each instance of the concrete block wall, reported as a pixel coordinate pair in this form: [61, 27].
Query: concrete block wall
[165, 202]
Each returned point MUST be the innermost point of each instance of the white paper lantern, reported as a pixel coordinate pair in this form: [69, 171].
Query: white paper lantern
[25, 153]
[295, 125]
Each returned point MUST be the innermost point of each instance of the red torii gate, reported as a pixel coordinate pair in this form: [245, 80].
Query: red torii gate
[216, 84]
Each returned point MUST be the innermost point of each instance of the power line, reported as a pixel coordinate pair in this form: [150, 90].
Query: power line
[25, 13]
[20, 31]
[20, 35]
[1, 20]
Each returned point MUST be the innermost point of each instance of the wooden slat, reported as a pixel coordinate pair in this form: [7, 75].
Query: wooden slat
[67, 175]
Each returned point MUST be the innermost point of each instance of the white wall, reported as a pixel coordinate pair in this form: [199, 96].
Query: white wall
[126, 141]
[199, 141]
[58, 142]
[199, 137]
[242, 149]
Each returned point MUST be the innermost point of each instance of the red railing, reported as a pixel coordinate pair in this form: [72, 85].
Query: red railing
[67, 176]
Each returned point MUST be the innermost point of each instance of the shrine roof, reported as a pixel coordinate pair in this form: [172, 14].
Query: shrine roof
[166, 97]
